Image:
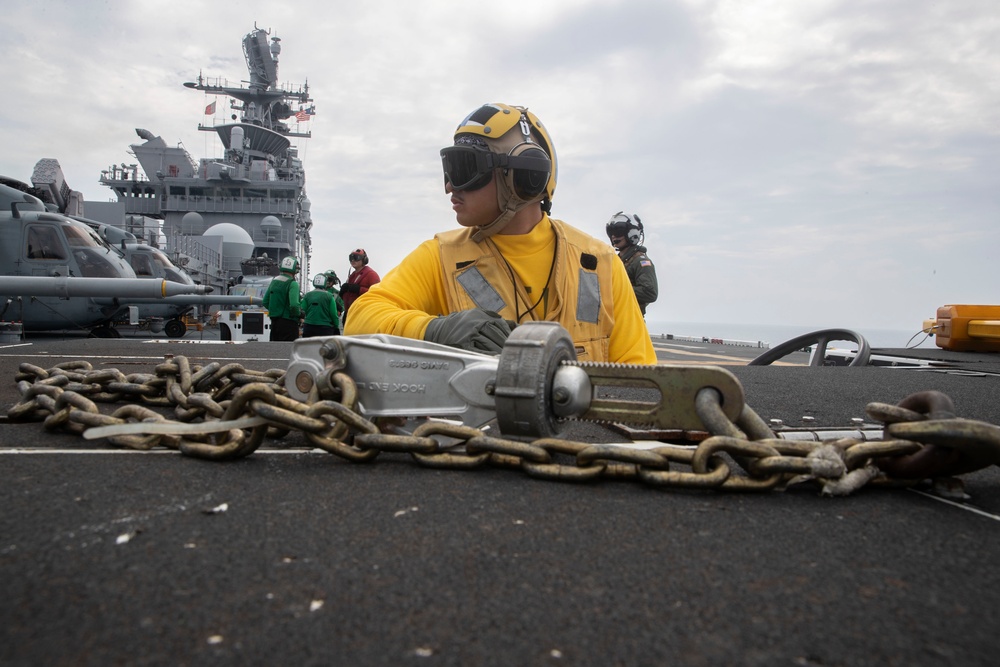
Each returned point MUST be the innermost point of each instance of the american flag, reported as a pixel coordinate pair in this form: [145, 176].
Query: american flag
[303, 114]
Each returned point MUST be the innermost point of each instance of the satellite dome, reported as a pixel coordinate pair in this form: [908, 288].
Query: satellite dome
[192, 222]
[236, 241]
[271, 227]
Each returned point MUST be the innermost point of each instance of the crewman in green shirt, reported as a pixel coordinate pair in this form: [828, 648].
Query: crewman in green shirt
[282, 301]
[322, 318]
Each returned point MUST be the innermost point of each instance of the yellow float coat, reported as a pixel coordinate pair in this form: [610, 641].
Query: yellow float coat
[588, 292]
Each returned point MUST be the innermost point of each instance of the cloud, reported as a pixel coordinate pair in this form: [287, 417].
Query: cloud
[828, 162]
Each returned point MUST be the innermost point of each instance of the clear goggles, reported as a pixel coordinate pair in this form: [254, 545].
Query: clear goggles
[468, 168]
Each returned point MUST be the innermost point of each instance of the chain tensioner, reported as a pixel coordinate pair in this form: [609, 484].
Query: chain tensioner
[354, 396]
[530, 389]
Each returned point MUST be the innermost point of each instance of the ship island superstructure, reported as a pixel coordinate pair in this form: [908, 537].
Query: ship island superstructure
[242, 213]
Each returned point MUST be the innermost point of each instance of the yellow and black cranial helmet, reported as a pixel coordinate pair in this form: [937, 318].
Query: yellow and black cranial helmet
[511, 141]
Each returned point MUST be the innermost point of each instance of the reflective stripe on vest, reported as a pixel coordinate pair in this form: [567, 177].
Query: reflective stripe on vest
[588, 297]
[480, 290]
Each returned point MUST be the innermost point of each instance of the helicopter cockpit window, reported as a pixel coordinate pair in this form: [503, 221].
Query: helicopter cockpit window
[142, 265]
[94, 258]
[44, 242]
[169, 270]
[82, 237]
[161, 260]
[177, 276]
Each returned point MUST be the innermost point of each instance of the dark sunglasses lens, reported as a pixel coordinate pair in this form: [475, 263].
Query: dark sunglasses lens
[461, 169]
[353, 257]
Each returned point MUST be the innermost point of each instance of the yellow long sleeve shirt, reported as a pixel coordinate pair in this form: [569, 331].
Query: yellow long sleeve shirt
[414, 292]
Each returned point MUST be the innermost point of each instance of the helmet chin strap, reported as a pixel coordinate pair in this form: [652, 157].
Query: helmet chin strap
[483, 232]
[509, 203]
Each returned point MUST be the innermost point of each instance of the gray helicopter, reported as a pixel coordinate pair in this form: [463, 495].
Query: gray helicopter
[57, 273]
[161, 314]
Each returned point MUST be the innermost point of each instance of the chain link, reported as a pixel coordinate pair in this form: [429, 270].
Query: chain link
[213, 404]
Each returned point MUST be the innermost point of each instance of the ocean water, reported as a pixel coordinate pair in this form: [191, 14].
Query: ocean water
[773, 334]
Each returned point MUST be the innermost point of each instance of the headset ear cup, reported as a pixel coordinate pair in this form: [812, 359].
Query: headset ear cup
[529, 183]
[635, 231]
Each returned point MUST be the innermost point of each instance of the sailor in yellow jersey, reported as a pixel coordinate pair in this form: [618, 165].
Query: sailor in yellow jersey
[510, 262]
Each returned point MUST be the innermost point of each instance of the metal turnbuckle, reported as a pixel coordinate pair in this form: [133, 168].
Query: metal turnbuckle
[396, 377]
[531, 389]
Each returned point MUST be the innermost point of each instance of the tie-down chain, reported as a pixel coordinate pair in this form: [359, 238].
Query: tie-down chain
[359, 396]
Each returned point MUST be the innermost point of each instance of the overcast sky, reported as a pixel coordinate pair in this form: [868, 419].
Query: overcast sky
[803, 162]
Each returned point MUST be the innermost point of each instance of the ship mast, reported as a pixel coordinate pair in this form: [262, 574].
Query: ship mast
[263, 102]
[248, 205]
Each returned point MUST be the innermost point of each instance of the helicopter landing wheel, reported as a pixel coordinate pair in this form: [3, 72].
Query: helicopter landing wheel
[175, 329]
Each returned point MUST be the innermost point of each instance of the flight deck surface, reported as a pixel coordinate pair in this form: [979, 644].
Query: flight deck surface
[295, 556]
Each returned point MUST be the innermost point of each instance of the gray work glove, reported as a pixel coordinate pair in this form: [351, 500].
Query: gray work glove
[477, 330]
